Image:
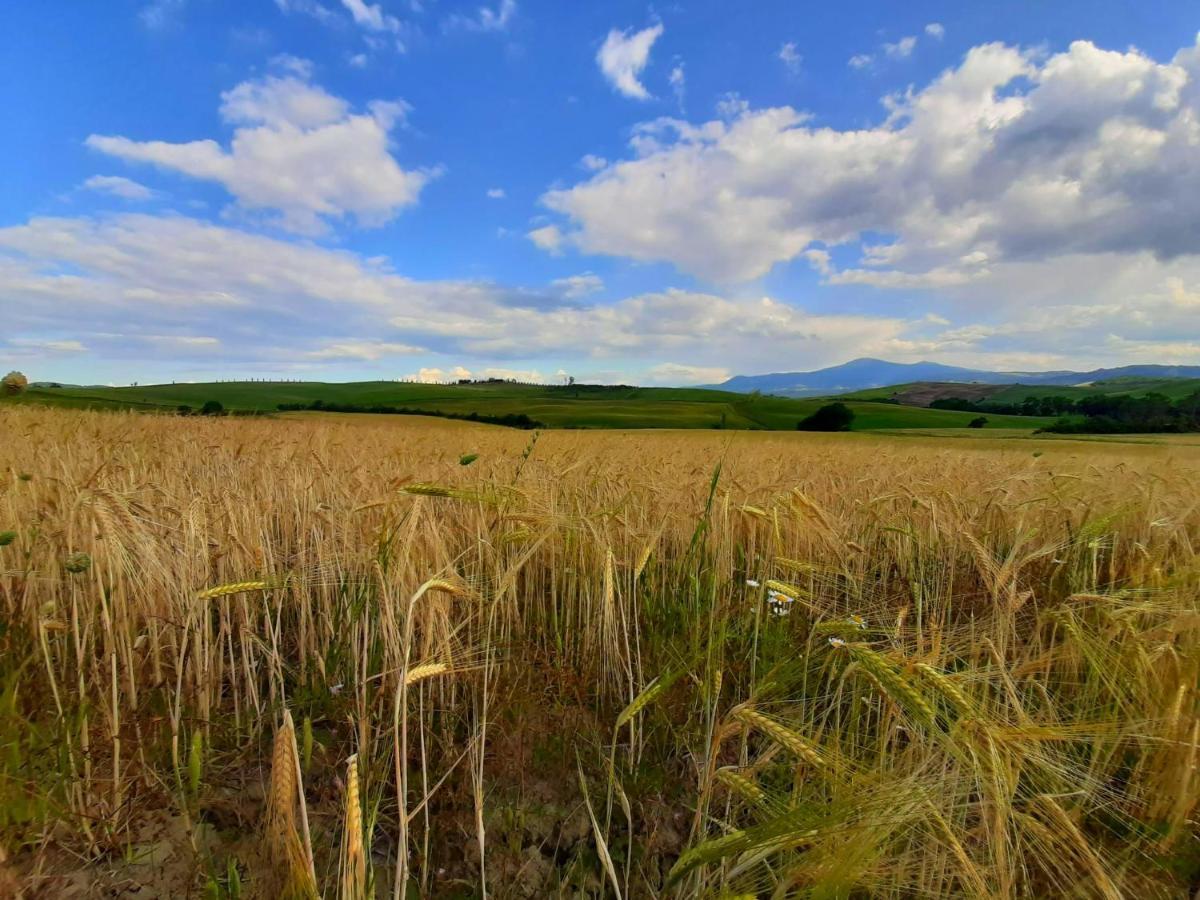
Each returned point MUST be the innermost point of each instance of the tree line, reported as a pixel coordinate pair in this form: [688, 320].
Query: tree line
[1099, 413]
[510, 420]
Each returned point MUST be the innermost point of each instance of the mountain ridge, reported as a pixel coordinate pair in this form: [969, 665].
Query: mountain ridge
[867, 372]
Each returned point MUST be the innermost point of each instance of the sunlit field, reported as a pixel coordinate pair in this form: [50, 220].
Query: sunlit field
[352, 656]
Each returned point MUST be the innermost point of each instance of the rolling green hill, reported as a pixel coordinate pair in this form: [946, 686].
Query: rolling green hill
[920, 393]
[582, 406]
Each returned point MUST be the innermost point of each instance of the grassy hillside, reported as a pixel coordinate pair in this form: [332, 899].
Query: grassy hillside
[584, 406]
[1175, 388]
[922, 392]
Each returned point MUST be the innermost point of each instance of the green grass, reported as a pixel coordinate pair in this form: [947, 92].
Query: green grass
[1175, 388]
[558, 407]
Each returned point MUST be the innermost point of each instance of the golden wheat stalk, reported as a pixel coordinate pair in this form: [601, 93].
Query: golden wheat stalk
[649, 694]
[354, 855]
[741, 785]
[892, 683]
[422, 672]
[294, 877]
[782, 735]
[946, 686]
[234, 587]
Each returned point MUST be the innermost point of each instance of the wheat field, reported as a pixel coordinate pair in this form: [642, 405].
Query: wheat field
[336, 656]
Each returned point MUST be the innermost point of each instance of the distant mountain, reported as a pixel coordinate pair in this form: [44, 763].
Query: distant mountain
[860, 374]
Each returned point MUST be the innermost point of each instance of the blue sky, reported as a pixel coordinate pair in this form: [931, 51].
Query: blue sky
[661, 194]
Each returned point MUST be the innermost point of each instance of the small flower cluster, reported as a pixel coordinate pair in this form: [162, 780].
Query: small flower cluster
[779, 603]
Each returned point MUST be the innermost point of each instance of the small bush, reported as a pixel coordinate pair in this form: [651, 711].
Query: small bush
[212, 408]
[14, 383]
[977, 422]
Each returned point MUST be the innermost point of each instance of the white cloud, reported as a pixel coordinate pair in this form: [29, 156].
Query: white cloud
[678, 82]
[528, 376]
[359, 60]
[125, 188]
[902, 49]
[728, 106]
[899, 50]
[363, 350]
[496, 193]
[593, 163]
[578, 285]
[1012, 155]
[371, 16]
[296, 150]
[790, 57]
[31, 345]
[160, 13]
[677, 374]
[435, 375]
[487, 18]
[306, 7]
[182, 340]
[140, 288]
[265, 300]
[623, 56]
[548, 238]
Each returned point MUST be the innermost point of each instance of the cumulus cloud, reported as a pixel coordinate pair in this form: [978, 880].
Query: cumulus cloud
[363, 350]
[297, 152]
[496, 193]
[678, 82]
[676, 373]
[902, 49]
[529, 376]
[548, 238]
[578, 285]
[487, 18]
[271, 301]
[160, 13]
[434, 375]
[935, 30]
[624, 55]
[115, 185]
[593, 163]
[790, 56]
[1011, 155]
[372, 17]
[313, 8]
[35, 346]
[142, 287]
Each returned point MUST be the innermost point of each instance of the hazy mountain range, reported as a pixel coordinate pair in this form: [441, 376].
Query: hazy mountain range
[860, 374]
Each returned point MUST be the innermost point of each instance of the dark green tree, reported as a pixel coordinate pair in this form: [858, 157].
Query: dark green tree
[831, 417]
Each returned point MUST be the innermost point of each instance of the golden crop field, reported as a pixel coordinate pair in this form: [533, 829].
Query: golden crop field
[322, 656]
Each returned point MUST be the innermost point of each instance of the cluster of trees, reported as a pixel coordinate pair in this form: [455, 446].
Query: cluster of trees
[510, 420]
[1030, 406]
[210, 408]
[830, 417]
[1128, 415]
[1101, 413]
